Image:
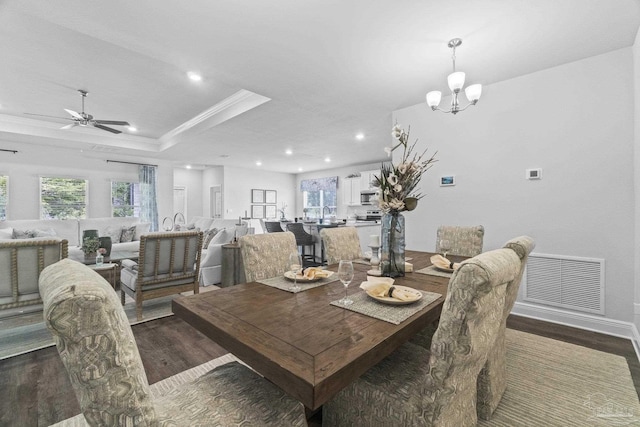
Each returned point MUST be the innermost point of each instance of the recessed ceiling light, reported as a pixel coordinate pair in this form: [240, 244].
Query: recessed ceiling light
[288, 152]
[299, 169]
[188, 166]
[258, 163]
[360, 136]
[327, 159]
[194, 76]
[132, 129]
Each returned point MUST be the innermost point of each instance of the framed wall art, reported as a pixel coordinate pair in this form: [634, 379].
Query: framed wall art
[270, 211]
[271, 196]
[257, 196]
[257, 211]
[447, 180]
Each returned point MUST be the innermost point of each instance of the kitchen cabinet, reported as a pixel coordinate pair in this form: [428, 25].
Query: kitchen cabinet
[351, 191]
[366, 177]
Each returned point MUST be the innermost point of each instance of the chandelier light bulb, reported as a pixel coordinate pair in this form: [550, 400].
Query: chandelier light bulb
[456, 81]
[473, 92]
[433, 98]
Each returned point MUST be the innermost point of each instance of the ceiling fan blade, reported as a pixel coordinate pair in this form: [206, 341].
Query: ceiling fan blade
[108, 129]
[69, 126]
[44, 115]
[74, 114]
[112, 122]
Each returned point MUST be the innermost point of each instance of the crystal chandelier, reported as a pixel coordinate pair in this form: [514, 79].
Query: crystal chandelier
[456, 82]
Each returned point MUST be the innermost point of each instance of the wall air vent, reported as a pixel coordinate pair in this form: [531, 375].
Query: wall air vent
[569, 282]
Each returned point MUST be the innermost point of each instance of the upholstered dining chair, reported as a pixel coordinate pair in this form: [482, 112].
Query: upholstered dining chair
[492, 380]
[464, 241]
[266, 255]
[168, 264]
[99, 352]
[303, 239]
[273, 227]
[436, 387]
[341, 243]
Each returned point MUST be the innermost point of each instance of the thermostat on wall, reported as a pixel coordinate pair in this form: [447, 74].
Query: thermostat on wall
[534, 173]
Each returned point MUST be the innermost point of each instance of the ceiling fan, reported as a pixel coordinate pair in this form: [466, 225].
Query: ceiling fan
[84, 119]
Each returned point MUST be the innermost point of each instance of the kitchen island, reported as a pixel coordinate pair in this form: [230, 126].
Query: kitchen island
[365, 230]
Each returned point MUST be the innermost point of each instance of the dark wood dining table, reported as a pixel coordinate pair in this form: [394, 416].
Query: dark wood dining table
[301, 343]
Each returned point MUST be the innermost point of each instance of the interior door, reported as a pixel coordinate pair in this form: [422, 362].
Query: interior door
[180, 201]
[215, 194]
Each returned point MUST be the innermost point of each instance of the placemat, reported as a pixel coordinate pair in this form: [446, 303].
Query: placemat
[395, 314]
[432, 270]
[284, 284]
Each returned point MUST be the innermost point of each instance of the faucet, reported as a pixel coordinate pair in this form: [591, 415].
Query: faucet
[326, 208]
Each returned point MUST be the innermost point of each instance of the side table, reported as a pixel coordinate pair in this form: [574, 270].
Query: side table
[232, 268]
[109, 271]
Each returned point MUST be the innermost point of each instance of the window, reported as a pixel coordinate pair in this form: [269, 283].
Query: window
[63, 198]
[4, 198]
[125, 199]
[318, 194]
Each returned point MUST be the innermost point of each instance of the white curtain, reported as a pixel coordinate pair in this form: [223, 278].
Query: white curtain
[148, 196]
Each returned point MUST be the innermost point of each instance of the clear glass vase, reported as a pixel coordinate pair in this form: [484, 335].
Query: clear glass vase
[392, 259]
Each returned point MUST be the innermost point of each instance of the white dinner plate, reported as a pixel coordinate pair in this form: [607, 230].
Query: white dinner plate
[393, 301]
[289, 275]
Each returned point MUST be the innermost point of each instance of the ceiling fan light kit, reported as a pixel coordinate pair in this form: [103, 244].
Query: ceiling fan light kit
[456, 83]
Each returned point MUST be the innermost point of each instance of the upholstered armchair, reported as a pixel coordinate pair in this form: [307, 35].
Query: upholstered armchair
[169, 263]
[266, 255]
[415, 386]
[341, 243]
[99, 352]
[21, 262]
[492, 380]
[465, 241]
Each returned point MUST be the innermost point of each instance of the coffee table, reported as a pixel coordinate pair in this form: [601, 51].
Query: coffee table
[110, 270]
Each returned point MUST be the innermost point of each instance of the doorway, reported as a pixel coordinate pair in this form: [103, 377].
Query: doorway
[215, 197]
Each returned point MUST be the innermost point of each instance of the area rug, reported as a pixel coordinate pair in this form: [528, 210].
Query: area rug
[22, 334]
[550, 383]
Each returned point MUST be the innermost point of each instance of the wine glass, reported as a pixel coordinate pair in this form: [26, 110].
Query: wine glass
[295, 266]
[345, 274]
[445, 246]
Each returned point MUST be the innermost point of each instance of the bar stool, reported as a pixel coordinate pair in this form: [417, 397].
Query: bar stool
[303, 239]
[273, 227]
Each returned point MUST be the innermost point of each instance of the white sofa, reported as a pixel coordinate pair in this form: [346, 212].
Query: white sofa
[71, 230]
[211, 260]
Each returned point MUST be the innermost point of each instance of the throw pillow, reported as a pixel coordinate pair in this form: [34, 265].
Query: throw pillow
[113, 232]
[207, 236]
[23, 234]
[141, 228]
[44, 233]
[127, 234]
[224, 236]
[6, 233]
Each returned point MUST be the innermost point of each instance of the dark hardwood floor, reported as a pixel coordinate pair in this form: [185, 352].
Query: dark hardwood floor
[35, 389]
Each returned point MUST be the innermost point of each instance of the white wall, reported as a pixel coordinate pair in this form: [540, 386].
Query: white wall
[238, 185]
[576, 123]
[33, 161]
[342, 209]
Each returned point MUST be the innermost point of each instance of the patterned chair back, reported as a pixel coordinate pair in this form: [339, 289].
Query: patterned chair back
[341, 243]
[492, 381]
[266, 255]
[97, 347]
[468, 327]
[465, 241]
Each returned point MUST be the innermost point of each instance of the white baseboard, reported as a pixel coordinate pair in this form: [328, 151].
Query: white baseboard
[584, 321]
